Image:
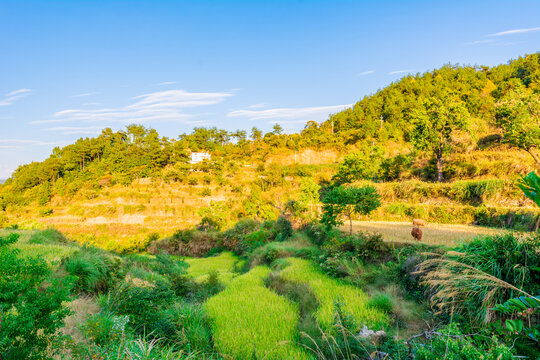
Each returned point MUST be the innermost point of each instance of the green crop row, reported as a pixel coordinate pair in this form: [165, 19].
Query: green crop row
[251, 321]
[223, 264]
[329, 291]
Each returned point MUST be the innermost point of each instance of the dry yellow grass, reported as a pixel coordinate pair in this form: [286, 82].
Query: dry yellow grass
[433, 234]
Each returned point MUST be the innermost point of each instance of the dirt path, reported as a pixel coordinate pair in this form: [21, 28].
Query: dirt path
[435, 234]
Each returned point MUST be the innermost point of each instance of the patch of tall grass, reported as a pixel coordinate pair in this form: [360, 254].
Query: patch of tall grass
[482, 273]
[95, 270]
[251, 321]
[49, 245]
[298, 246]
[223, 264]
[329, 291]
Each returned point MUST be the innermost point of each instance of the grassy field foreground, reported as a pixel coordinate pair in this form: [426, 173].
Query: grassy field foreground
[433, 234]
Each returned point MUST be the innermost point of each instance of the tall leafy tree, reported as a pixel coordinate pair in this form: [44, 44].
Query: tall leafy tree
[342, 201]
[256, 134]
[362, 164]
[309, 193]
[277, 129]
[518, 116]
[439, 117]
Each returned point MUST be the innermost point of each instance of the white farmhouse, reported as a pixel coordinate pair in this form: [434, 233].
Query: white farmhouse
[197, 157]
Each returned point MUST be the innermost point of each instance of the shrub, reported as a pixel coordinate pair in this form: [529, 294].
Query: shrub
[363, 164]
[320, 234]
[141, 302]
[46, 212]
[186, 325]
[3, 219]
[251, 241]
[451, 341]
[95, 270]
[192, 181]
[31, 305]
[270, 252]
[382, 302]
[365, 246]
[206, 192]
[475, 192]
[232, 237]
[189, 242]
[104, 328]
[391, 168]
[210, 223]
[283, 228]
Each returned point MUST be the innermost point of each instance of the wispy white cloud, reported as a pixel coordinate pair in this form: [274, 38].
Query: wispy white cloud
[364, 73]
[515, 31]
[157, 106]
[70, 130]
[18, 92]
[256, 106]
[167, 83]
[485, 41]
[400, 72]
[84, 94]
[13, 96]
[316, 113]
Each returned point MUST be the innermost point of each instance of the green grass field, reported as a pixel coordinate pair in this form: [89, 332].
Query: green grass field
[30, 246]
[223, 264]
[249, 319]
[433, 234]
[328, 291]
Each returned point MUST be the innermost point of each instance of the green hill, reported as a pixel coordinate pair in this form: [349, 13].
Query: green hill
[453, 123]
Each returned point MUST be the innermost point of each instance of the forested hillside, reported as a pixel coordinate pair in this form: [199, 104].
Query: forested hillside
[452, 123]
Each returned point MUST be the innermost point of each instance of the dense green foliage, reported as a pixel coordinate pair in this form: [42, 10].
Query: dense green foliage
[530, 185]
[31, 305]
[280, 283]
[95, 270]
[326, 286]
[244, 237]
[511, 258]
[439, 117]
[348, 200]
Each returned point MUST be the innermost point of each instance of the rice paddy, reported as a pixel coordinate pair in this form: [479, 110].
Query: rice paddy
[251, 321]
[329, 291]
[223, 264]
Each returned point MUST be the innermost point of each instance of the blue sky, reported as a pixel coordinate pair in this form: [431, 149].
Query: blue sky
[71, 68]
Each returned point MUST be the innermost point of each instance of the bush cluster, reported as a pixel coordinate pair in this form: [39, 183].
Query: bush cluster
[245, 236]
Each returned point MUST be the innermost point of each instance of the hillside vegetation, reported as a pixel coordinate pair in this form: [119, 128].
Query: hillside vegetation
[475, 128]
[276, 293]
